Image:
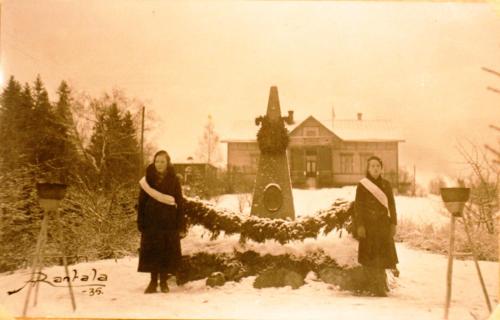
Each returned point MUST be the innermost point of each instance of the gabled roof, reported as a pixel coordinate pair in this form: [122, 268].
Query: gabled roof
[308, 119]
[364, 130]
[246, 131]
[345, 129]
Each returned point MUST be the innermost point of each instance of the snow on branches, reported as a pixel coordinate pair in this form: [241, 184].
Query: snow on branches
[217, 220]
[272, 136]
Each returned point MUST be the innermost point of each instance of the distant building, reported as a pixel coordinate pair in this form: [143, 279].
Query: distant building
[189, 170]
[324, 153]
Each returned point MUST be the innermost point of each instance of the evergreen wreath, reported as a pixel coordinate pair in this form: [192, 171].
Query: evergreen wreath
[337, 217]
[272, 136]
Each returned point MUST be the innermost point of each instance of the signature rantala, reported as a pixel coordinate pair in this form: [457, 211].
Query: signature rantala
[93, 279]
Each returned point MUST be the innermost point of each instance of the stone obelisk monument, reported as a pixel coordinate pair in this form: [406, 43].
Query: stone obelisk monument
[272, 195]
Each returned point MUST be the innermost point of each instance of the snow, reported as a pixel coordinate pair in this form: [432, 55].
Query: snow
[346, 129]
[418, 293]
[364, 130]
[308, 201]
[420, 210]
[342, 249]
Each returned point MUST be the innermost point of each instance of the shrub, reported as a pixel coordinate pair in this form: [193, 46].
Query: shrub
[436, 239]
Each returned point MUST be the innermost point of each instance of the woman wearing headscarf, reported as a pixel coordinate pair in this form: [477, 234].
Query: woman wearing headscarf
[375, 219]
[161, 222]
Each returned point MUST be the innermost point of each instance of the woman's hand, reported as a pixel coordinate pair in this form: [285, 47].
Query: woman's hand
[361, 232]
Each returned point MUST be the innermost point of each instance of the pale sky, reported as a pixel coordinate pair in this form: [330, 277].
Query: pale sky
[417, 64]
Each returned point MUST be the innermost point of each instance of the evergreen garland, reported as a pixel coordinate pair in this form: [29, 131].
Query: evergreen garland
[272, 136]
[260, 229]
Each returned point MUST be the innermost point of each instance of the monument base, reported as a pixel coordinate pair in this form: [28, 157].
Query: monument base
[272, 197]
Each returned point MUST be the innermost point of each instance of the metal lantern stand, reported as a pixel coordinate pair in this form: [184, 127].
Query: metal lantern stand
[454, 200]
[50, 195]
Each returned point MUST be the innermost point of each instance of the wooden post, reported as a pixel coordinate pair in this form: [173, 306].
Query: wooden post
[209, 140]
[41, 258]
[141, 161]
[37, 263]
[498, 229]
[36, 260]
[65, 262]
[473, 249]
[450, 267]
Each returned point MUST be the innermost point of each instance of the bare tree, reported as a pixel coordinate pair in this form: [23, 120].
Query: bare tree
[208, 145]
[86, 111]
[495, 151]
[484, 182]
[484, 163]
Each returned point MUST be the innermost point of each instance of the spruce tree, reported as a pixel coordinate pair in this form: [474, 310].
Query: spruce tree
[67, 156]
[114, 146]
[42, 144]
[26, 127]
[9, 123]
[130, 145]
[50, 137]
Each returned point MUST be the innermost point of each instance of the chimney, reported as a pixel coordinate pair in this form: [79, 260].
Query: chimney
[289, 119]
[360, 116]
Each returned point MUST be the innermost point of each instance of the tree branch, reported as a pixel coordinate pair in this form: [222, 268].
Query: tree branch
[491, 71]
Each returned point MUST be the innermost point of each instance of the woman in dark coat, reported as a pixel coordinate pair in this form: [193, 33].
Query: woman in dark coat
[161, 222]
[376, 220]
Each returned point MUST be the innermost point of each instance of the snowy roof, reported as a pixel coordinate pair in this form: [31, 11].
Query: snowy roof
[246, 131]
[345, 129]
[364, 130]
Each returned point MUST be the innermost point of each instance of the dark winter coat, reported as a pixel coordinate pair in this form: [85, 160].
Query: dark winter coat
[160, 224]
[377, 249]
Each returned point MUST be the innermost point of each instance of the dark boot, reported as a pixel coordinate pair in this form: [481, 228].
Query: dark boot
[153, 284]
[180, 279]
[375, 282]
[395, 271]
[163, 282]
[381, 288]
[369, 280]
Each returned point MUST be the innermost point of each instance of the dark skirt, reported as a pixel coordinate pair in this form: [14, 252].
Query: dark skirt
[378, 249]
[160, 252]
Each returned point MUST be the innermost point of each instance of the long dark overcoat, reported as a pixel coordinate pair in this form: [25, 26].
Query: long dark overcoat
[160, 224]
[377, 249]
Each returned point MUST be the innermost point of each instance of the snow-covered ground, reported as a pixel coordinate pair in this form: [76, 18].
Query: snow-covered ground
[417, 294]
[428, 209]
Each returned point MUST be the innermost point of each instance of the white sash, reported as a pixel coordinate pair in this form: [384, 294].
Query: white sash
[155, 194]
[375, 191]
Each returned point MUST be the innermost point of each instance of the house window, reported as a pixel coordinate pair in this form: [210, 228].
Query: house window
[347, 163]
[297, 159]
[311, 131]
[311, 151]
